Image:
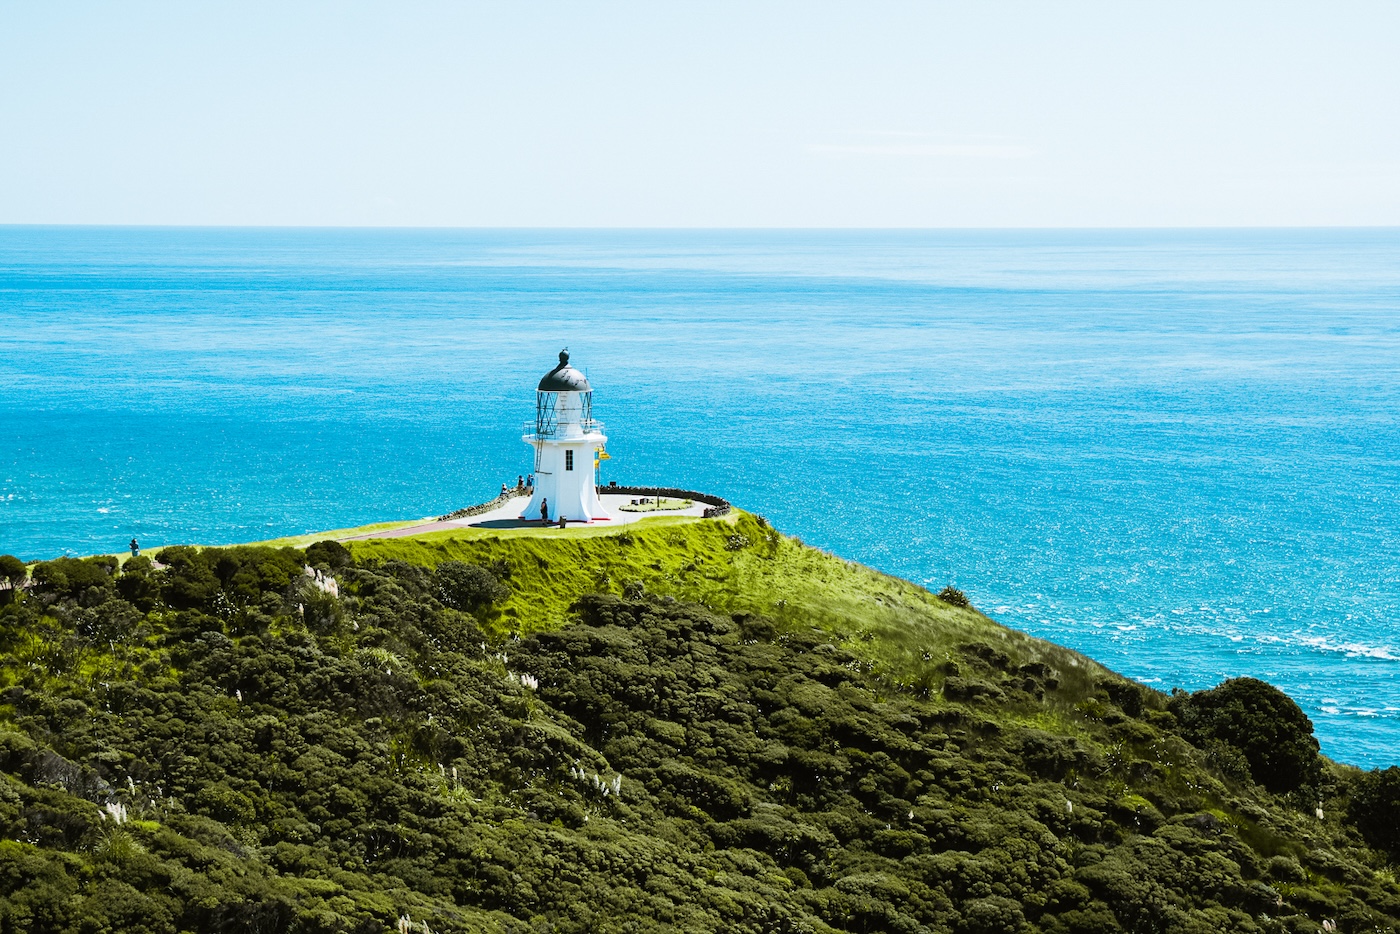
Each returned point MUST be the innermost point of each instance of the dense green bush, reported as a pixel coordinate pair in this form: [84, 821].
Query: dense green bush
[12, 572]
[87, 580]
[138, 583]
[189, 581]
[215, 580]
[467, 587]
[1264, 724]
[953, 596]
[329, 554]
[1375, 808]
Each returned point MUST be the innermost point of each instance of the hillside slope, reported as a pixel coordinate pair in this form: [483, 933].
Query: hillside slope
[694, 727]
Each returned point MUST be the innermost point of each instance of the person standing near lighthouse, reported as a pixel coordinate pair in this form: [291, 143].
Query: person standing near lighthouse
[566, 442]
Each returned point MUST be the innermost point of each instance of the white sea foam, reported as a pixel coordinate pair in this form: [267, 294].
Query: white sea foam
[1329, 645]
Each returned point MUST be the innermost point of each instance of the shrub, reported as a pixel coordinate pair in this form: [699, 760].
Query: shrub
[1050, 756]
[1375, 808]
[993, 915]
[1285, 869]
[954, 597]
[1263, 723]
[190, 582]
[960, 689]
[466, 586]
[1130, 696]
[1228, 761]
[246, 572]
[322, 612]
[12, 571]
[137, 583]
[333, 555]
[73, 578]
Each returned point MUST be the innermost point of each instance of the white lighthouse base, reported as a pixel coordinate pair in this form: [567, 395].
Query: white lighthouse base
[565, 483]
[578, 507]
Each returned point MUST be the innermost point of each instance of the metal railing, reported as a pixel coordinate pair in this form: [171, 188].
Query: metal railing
[533, 431]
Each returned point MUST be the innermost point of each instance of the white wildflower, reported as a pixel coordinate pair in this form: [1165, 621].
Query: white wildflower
[408, 925]
[321, 581]
[117, 811]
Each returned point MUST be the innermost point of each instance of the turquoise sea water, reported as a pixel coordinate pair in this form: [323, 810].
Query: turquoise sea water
[1178, 452]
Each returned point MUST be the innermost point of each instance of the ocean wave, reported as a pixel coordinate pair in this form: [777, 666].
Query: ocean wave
[1225, 627]
[1325, 644]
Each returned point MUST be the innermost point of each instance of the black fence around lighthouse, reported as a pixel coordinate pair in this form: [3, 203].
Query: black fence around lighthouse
[715, 506]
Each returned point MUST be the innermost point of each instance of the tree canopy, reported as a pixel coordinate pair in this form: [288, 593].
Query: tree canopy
[1264, 724]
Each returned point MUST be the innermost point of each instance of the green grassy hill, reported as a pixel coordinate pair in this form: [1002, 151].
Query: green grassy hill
[672, 726]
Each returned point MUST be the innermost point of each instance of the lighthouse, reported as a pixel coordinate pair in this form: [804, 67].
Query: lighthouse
[566, 441]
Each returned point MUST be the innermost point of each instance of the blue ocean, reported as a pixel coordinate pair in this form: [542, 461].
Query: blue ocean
[1176, 451]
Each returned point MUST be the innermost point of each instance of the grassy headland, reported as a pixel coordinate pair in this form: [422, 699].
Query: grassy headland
[738, 564]
[679, 725]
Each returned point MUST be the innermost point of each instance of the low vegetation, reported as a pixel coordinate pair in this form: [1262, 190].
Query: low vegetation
[672, 727]
[656, 504]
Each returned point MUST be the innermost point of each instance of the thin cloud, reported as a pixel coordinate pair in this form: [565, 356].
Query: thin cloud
[924, 150]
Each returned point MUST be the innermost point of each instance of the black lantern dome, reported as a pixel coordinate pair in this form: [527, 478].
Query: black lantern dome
[564, 378]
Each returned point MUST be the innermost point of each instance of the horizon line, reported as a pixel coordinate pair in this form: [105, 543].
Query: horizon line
[700, 228]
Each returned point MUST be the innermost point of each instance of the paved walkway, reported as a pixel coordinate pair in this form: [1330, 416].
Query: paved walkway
[507, 516]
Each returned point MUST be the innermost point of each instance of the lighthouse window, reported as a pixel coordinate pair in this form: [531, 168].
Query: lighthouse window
[568, 460]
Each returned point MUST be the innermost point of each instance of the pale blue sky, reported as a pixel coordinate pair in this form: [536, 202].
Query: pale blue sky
[713, 114]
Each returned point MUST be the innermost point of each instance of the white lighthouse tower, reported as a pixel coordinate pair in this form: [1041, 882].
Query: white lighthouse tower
[566, 440]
